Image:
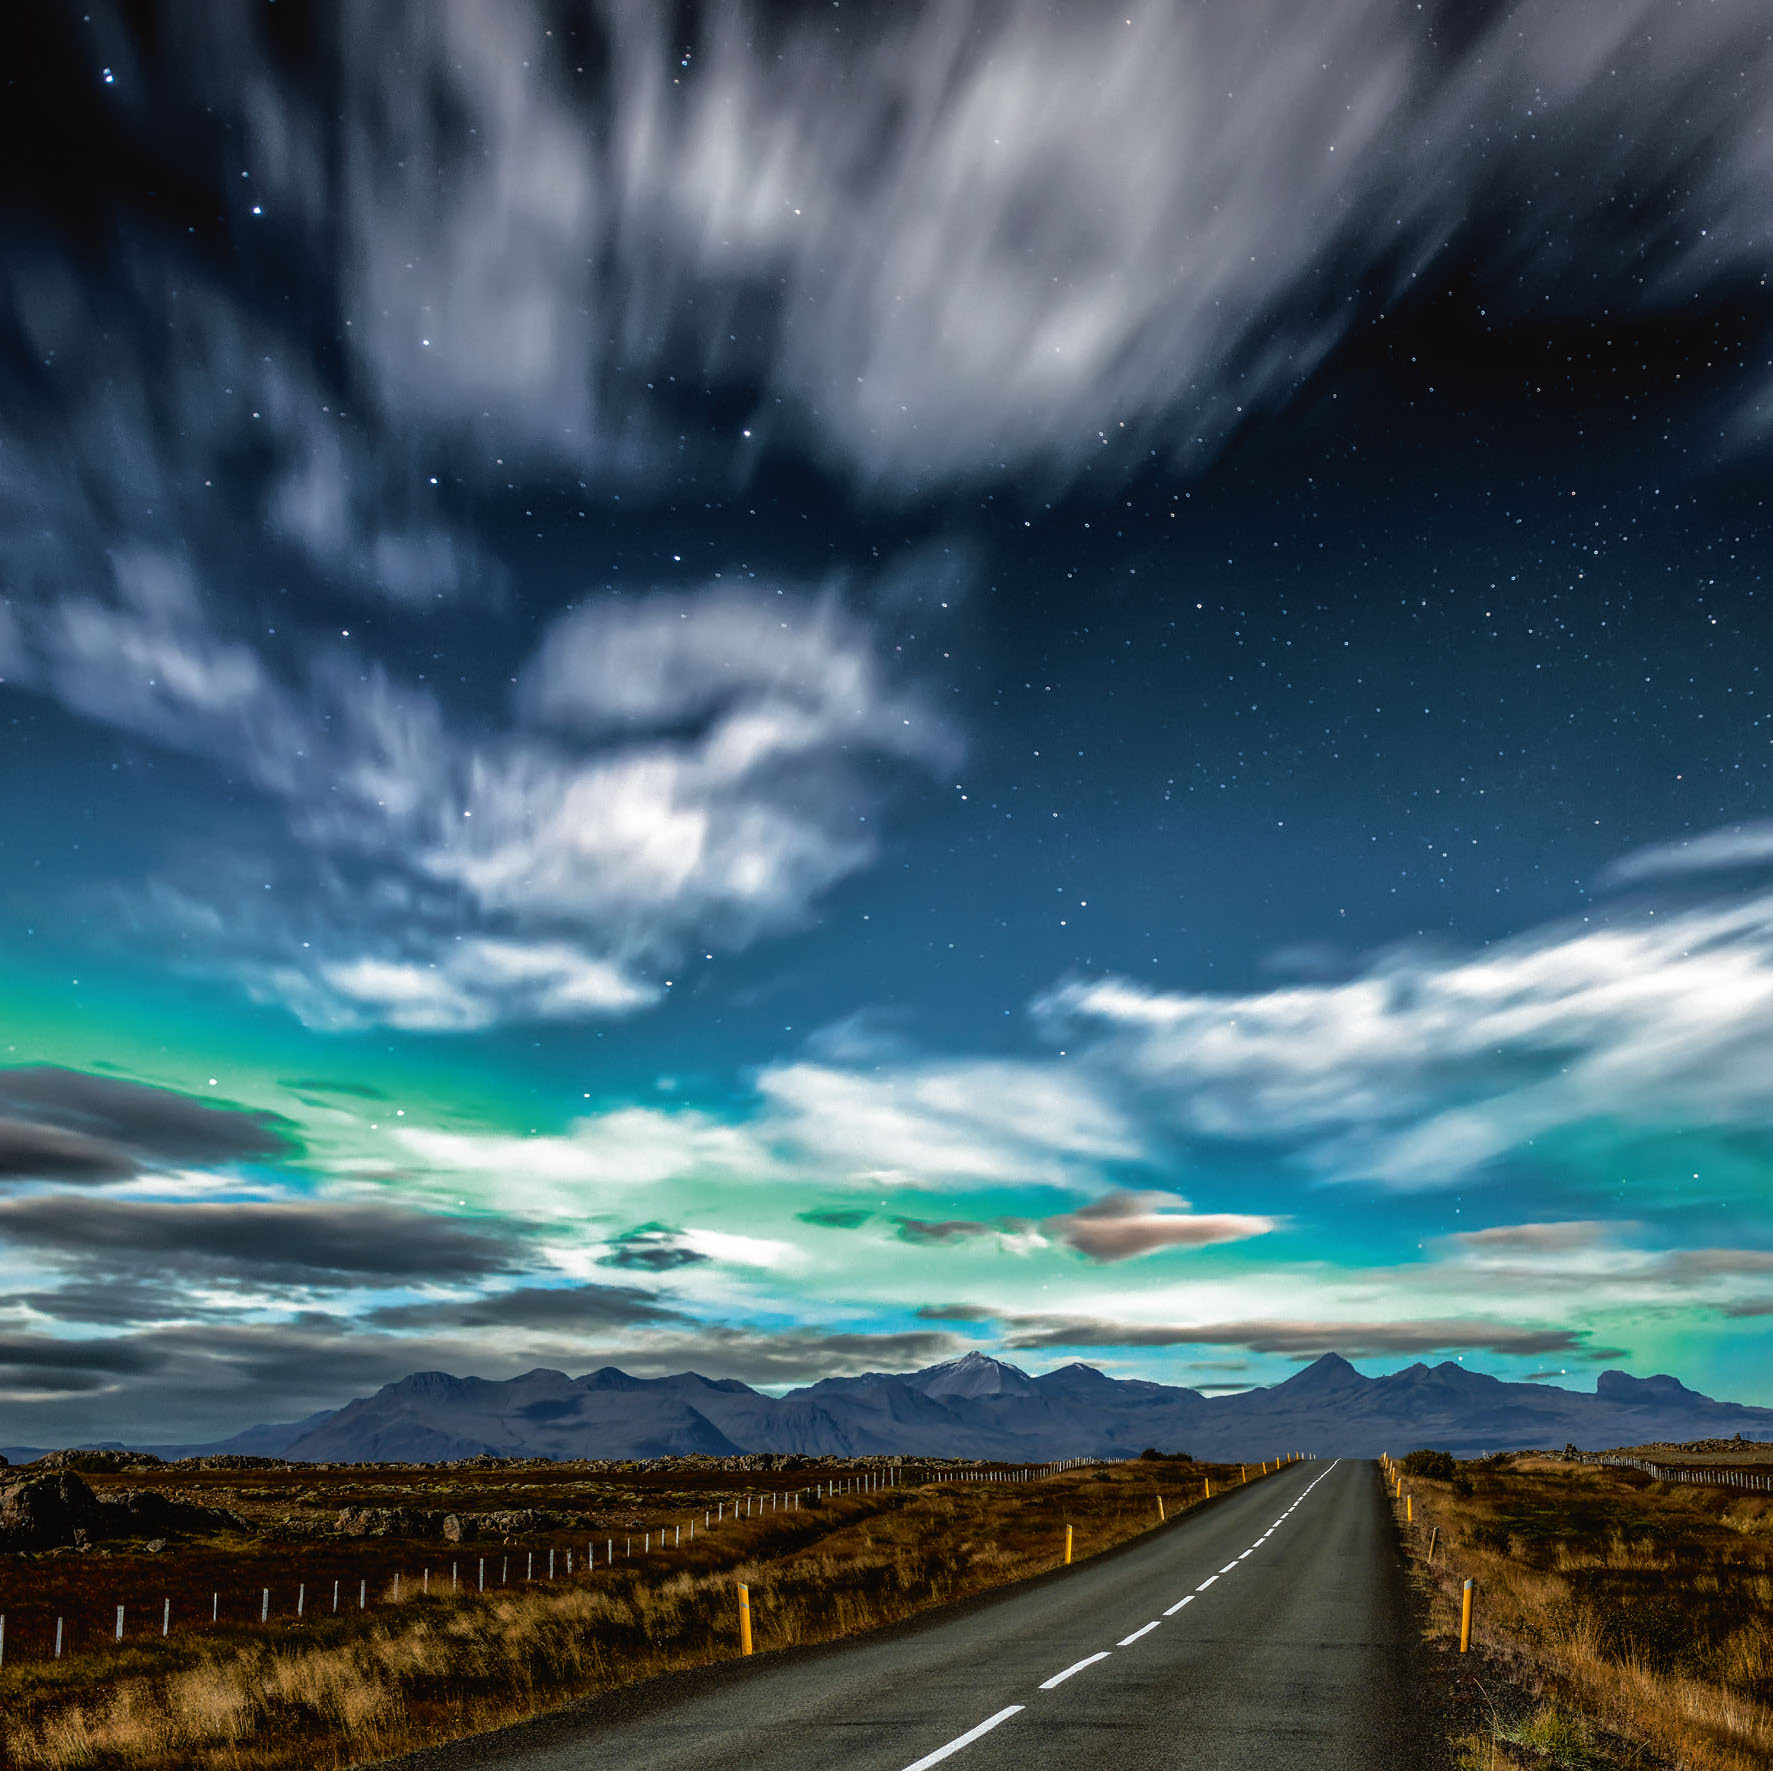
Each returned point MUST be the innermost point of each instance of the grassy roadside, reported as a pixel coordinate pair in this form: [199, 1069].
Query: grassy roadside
[1618, 1621]
[435, 1668]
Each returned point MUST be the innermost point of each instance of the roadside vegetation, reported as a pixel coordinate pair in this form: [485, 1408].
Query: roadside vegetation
[350, 1689]
[1618, 1621]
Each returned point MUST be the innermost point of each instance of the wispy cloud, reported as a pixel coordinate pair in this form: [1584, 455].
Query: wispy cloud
[1355, 1339]
[1739, 845]
[256, 1243]
[682, 769]
[952, 239]
[922, 1124]
[1426, 1068]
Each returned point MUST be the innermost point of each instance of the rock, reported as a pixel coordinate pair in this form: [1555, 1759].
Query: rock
[456, 1528]
[136, 1512]
[390, 1522]
[95, 1459]
[47, 1512]
[516, 1521]
[154, 1545]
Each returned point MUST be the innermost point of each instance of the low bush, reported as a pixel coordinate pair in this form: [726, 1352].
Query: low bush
[1438, 1466]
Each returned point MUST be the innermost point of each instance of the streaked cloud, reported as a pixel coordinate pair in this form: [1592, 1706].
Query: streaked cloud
[951, 240]
[702, 773]
[113, 1121]
[1738, 845]
[254, 1242]
[1427, 1068]
[1304, 1338]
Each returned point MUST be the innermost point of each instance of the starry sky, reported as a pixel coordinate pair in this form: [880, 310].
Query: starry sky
[787, 689]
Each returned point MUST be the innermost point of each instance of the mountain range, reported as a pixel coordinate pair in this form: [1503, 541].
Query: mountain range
[980, 1407]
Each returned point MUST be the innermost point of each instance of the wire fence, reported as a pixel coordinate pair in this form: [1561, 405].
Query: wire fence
[294, 1601]
[1706, 1475]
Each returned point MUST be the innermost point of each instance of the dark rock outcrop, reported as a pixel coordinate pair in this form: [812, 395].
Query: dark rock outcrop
[390, 1522]
[47, 1512]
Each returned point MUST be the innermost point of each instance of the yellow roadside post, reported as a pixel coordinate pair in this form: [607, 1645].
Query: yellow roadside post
[1465, 1620]
[1434, 1531]
[1243, 1472]
[1209, 1493]
[1160, 1509]
[744, 1618]
[1409, 1509]
[1068, 1546]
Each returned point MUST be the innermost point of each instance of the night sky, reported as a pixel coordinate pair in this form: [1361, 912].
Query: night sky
[787, 689]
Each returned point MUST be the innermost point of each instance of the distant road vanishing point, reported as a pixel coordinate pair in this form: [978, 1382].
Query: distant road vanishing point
[1268, 1631]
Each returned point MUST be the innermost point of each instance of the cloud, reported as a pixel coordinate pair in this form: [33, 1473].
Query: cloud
[311, 1243]
[1569, 1237]
[917, 1123]
[921, 1124]
[38, 1368]
[1428, 1067]
[1352, 1339]
[1738, 845]
[684, 770]
[844, 1217]
[1690, 1264]
[655, 1248]
[562, 1308]
[952, 240]
[926, 1231]
[47, 1152]
[954, 1313]
[477, 983]
[1121, 1225]
[108, 1120]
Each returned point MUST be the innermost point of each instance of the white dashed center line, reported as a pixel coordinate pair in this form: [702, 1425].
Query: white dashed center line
[1206, 1583]
[1228, 1568]
[1128, 1641]
[1178, 1605]
[966, 1739]
[1077, 1666]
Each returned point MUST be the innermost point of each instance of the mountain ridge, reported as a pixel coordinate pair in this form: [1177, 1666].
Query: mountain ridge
[980, 1406]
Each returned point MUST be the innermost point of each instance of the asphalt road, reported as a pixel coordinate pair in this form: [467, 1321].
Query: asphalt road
[1267, 1631]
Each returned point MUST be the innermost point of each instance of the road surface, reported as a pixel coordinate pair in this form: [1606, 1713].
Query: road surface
[1269, 1630]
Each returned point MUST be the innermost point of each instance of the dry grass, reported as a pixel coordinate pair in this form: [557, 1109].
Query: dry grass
[1640, 1614]
[342, 1691]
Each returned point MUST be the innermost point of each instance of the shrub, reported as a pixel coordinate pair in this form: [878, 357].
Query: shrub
[1489, 1536]
[1152, 1454]
[1437, 1465]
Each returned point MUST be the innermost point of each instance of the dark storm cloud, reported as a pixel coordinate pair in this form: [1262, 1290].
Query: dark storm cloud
[36, 1365]
[836, 1217]
[926, 1230]
[1750, 1308]
[566, 1308]
[29, 1151]
[954, 1313]
[656, 1248]
[157, 1125]
[1305, 1339]
[311, 1243]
